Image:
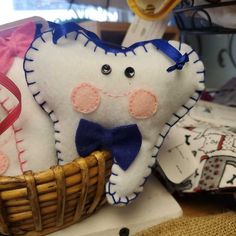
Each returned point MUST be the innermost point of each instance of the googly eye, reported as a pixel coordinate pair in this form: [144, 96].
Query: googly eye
[129, 72]
[106, 69]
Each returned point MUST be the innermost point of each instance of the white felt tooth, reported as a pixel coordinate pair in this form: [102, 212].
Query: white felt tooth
[20, 148]
[38, 42]
[186, 49]
[190, 103]
[109, 198]
[120, 54]
[99, 50]
[53, 117]
[201, 86]
[195, 95]
[140, 185]
[33, 88]
[47, 37]
[149, 46]
[46, 108]
[201, 79]
[147, 172]
[58, 146]
[173, 120]
[139, 51]
[132, 196]
[165, 130]
[56, 126]
[112, 188]
[29, 68]
[110, 54]
[28, 78]
[155, 151]
[18, 132]
[109, 189]
[35, 45]
[181, 112]
[39, 99]
[106, 187]
[199, 66]
[116, 197]
[30, 56]
[176, 44]
[130, 54]
[90, 45]
[152, 162]
[123, 201]
[139, 189]
[193, 56]
[71, 35]
[113, 178]
[59, 155]
[159, 141]
[116, 169]
[82, 39]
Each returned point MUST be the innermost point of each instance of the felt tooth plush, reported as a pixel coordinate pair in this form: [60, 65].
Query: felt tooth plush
[28, 144]
[123, 100]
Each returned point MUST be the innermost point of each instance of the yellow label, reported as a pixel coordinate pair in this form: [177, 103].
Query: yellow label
[152, 9]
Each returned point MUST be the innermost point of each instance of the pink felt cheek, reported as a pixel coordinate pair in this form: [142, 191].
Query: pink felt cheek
[142, 104]
[4, 163]
[85, 98]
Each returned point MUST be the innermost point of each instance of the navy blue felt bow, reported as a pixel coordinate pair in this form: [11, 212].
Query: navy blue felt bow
[124, 142]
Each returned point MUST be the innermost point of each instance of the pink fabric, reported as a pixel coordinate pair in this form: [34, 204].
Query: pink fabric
[16, 45]
[4, 163]
[142, 104]
[14, 113]
[85, 98]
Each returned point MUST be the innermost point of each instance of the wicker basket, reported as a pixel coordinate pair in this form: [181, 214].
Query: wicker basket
[44, 202]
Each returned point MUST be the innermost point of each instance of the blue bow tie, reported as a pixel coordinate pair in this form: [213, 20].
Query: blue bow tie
[124, 142]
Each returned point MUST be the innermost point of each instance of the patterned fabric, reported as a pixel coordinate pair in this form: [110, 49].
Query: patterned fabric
[213, 147]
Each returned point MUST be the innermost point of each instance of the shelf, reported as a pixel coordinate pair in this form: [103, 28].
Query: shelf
[195, 19]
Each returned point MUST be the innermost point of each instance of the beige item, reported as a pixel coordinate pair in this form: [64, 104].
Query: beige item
[213, 225]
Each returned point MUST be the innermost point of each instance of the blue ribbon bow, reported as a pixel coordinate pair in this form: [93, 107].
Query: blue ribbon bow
[124, 142]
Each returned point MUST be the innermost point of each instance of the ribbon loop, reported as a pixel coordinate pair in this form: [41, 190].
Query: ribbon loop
[14, 113]
[179, 64]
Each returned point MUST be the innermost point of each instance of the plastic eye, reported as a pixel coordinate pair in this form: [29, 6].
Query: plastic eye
[106, 69]
[129, 72]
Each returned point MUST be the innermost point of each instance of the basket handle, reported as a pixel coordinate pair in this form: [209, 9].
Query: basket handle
[14, 114]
